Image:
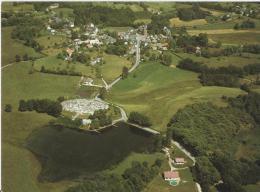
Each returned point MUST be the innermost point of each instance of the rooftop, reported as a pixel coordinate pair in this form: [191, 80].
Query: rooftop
[171, 174]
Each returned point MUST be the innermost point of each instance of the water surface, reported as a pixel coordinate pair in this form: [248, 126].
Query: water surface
[68, 153]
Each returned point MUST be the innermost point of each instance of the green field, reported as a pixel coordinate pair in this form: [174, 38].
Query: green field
[237, 38]
[53, 63]
[224, 61]
[52, 44]
[141, 157]
[18, 84]
[21, 7]
[64, 12]
[12, 47]
[20, 168]
[159, 91]
[159, 184]
[134, 7]
[117, 29]
[113, 66]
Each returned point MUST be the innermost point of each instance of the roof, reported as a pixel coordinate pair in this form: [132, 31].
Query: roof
[179, 160]
[171, 174]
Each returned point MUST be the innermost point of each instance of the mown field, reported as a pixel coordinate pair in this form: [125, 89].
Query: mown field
[113, 66]
[224, 61]
[159, 184]
[11, 47]
[237, 38]
[21, 7]
[176, 22]
[52, 44]
[159, 91]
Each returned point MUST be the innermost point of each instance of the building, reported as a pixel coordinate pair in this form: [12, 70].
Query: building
[179, 161]
[172, 176]
[69, 52]
[87, 82]
[86, 121]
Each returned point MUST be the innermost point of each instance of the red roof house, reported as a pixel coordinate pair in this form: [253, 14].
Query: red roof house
[171, 175]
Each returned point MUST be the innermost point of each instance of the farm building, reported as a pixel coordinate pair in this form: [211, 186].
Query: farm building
[179, 161]
[172, 176]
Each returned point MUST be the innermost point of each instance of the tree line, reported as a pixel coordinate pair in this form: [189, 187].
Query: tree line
[222, 76]
[104, 16]
[133, 179]
[48, 106]
[26, 29]
[60, 71]
[188, 14]
[100, 118]
[140, 119]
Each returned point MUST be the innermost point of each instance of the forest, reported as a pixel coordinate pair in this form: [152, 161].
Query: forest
[214, 145]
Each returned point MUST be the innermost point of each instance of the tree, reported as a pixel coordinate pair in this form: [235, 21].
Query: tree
[168, 137]
[124, 72]
[17, 58]
[8, 108]
[102, 93]
[25, 57]
[166, 59]
[139, 119]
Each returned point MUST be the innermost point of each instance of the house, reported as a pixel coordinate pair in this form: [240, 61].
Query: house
[172, 176]
[88, 82]
[86, 121]
[198, 51]
[69, 51]
[95, 61]
[179, 161]
[54, 6]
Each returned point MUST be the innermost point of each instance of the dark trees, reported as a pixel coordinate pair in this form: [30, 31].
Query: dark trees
[8, 108]
[124, 72]
[139, 119]
[166, 59]
[50, 107]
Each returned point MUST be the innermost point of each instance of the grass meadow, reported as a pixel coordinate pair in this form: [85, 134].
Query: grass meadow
[159, 92]
[13, 47]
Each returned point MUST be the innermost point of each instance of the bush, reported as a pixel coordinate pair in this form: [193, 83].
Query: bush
[139, 119]
[8, 108]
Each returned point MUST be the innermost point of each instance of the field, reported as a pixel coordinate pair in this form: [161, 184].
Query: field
[117, 29]
[64, 12]
[176, 22]
[53, 63]
[18, 163]
[113, 66]
[158, 184]
[153, 84]
[145, 21]
[21, 7]
[141, 157]
[18, 84]
[12, 48]
[134, 7]
[51, 44]
[237, 38]
[214, 62]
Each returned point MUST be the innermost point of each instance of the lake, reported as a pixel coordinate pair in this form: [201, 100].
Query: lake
[69, 153]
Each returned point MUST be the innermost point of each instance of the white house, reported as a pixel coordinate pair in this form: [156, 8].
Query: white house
[179, 161]
[86, 121]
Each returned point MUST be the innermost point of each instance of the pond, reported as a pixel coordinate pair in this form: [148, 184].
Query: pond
[69, 153]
